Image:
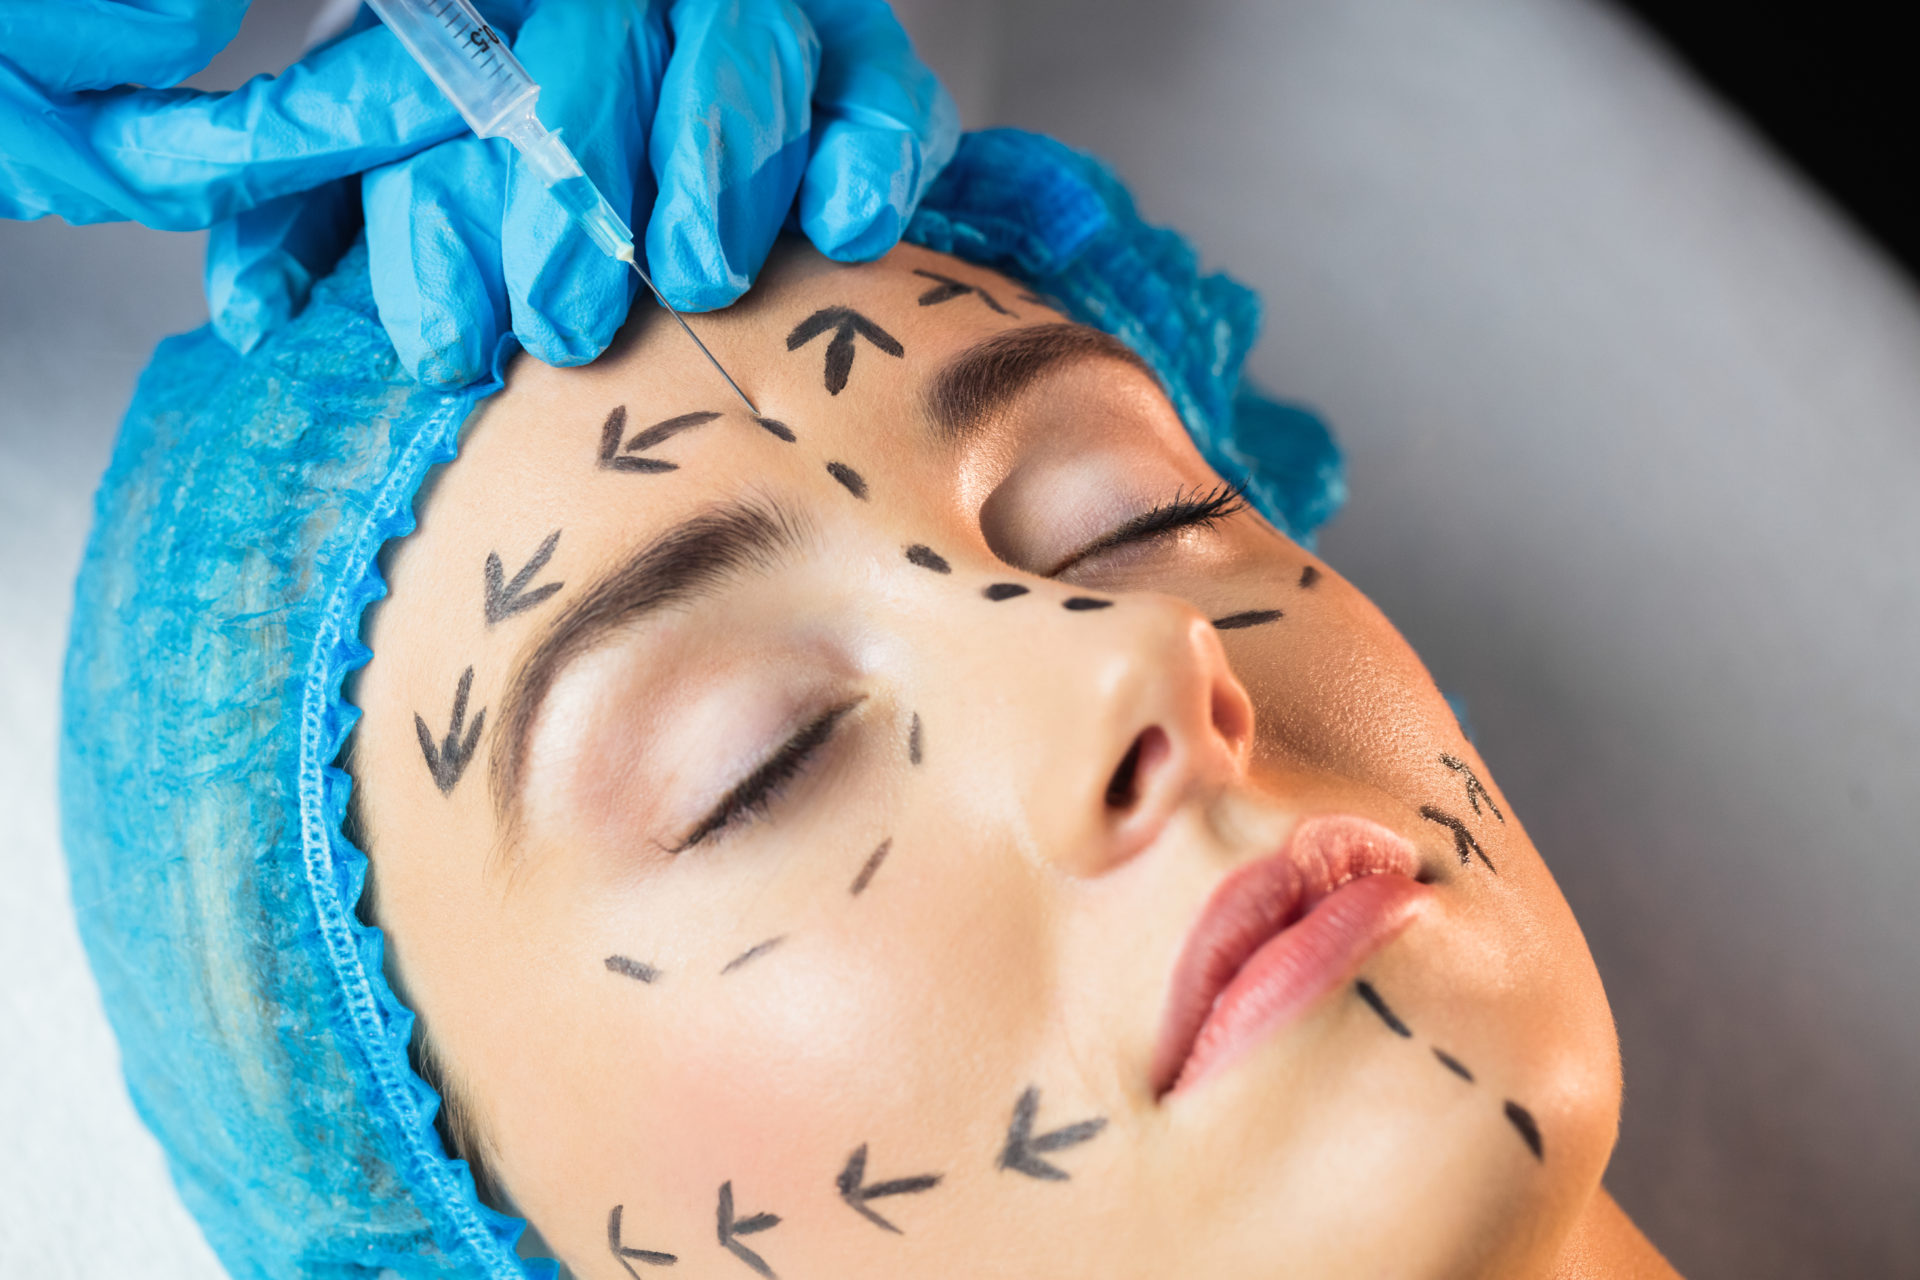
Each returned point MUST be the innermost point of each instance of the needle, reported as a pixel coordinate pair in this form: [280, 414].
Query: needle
[682, 321]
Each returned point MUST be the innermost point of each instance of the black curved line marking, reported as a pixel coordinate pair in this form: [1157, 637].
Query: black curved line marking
[1463, 842]
[447, 760]
[1522, 1119]
[845, 323]
[949, 288]
[776, 427]
[1476, 789]
[853, 481]
[505, 597]
[730, 1228]
[913, 740]
[874, 859]
[1309, 575]
[1004, 591]
[1251, 618]
[1023, 1149]
[661, 432]
[856, 1196]
[1082, 604]
[927, 558]
[627, 1257]
[1379, 1006]
[753, 952]
[1453, 1064]
[626, 968]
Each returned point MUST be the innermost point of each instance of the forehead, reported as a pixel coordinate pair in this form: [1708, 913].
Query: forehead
[840, 360]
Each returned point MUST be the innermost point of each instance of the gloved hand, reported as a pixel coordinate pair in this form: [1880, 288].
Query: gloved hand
[80, 138]
[715, 100]
[698, 119]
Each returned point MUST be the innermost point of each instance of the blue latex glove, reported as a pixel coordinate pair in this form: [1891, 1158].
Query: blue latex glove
[726, 107]
[79, 139]
[700, 120]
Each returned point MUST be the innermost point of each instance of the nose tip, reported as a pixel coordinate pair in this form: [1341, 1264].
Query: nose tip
[1201, 739]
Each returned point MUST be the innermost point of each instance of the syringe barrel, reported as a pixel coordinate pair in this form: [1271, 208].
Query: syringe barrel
[466, 58]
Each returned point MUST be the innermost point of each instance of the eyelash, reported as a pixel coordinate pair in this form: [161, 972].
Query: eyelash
[1197, 510]
[754, 795]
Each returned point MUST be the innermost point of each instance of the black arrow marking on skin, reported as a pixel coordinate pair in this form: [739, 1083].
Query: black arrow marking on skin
[638, 969]
[1453, 1064]
[845, 323]
[447, 761]
[1081, 604]
[612, 451]
[1379, 1006]
[776, 427]
[913, 740]
[1251, 618]
[1004, 591]
[1309, 575]
[729, 1229]
[1476, 789]
[1463, 842]
[506, 598]
[1023, 1150]
[948, 289]
[652, 1257]
[857, 1196]
[874, 860]
[1522, 1119]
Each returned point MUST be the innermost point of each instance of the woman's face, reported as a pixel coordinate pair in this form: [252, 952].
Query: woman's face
[934, 830]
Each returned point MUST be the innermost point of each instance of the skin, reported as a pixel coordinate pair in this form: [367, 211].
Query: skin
[1022, 928]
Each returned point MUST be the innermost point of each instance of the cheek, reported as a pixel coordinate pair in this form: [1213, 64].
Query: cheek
[876, 1020]
[1336, 688]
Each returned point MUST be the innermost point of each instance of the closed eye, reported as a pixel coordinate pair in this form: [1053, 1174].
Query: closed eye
[754, 794]
[1183, 511]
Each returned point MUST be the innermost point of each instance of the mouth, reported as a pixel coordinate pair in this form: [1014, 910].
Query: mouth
[1279, 933]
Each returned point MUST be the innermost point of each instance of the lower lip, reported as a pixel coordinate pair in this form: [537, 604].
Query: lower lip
[1300, 964]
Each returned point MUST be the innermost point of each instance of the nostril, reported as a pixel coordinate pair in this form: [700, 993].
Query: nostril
[1147, 750]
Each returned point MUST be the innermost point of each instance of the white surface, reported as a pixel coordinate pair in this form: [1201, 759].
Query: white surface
[1632, 421]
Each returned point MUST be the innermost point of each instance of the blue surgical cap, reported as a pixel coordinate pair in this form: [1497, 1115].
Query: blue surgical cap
[234, 549]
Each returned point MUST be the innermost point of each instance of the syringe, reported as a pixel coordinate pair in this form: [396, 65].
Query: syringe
[479, 74]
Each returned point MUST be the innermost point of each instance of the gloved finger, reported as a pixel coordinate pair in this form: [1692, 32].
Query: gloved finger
[177, 159]
[433, 246]
[884, 127]
[729, 144]
[599, 65]
[97, 44]
[261, 264]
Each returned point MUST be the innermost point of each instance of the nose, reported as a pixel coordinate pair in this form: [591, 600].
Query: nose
[1181, 729]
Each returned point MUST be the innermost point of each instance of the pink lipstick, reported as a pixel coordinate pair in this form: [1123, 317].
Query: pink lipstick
[1279, 933]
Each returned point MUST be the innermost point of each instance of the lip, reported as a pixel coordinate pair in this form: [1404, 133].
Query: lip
[1279, 933]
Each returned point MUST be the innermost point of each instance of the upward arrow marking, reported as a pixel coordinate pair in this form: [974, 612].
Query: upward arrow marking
[845, 323]
[1023, 1150]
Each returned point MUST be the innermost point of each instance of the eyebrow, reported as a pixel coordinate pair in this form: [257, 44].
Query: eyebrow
[980, 381]
[692, 561]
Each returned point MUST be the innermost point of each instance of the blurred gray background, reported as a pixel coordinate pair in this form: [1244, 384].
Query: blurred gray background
[1634, 426]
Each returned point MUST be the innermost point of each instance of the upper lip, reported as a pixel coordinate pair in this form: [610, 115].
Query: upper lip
[1251, 905]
